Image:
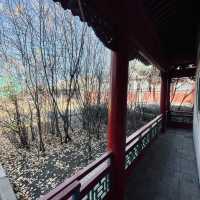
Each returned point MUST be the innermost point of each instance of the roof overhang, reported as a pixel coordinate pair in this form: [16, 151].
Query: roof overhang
[162, 32]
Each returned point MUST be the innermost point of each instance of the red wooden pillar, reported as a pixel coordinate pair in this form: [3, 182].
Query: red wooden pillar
[168, 93]
[168, 106]
[163, 100]
[117, 121]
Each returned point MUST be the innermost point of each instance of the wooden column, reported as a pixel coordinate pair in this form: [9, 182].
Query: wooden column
[163, 100]
[117, 121]
[168, 103]
[168, 93]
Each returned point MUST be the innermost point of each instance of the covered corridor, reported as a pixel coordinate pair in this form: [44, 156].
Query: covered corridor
[167, 171]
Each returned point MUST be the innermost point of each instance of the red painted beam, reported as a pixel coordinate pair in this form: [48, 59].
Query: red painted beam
[117, 121]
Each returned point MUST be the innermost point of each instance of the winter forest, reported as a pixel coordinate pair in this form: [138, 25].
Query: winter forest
[54, 95]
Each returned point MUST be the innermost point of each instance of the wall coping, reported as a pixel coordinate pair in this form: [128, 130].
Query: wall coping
[6, 191]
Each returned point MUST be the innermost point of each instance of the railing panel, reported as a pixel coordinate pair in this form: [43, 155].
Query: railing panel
[137, 142]
[97, 184]
[180, 119]
[132, 154]
[99, 191]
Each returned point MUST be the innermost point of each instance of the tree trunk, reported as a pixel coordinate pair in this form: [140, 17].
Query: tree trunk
[41, 144]
[66, 130]
[21, 129]
[58, 132]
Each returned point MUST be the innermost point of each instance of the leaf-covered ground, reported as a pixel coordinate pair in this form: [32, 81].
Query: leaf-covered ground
[32, 174]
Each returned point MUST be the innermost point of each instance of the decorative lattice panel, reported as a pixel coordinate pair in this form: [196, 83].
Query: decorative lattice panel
[100, 190]
[154, 131]
[141, 144]
[146, 140]
[132, 155]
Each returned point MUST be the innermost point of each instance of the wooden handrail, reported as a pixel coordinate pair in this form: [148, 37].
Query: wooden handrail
[94, 164]
[182, 112]
[83, 182]
[66, 192]
[137, 133]
[77, 177]
[180, 115]
[87, 185]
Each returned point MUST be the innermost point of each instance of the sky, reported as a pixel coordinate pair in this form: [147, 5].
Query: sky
[5, 81]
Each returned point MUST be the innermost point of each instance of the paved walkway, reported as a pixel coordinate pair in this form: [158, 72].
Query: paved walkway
[168, 170]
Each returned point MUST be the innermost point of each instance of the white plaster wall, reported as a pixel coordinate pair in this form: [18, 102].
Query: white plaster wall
[196, 120]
